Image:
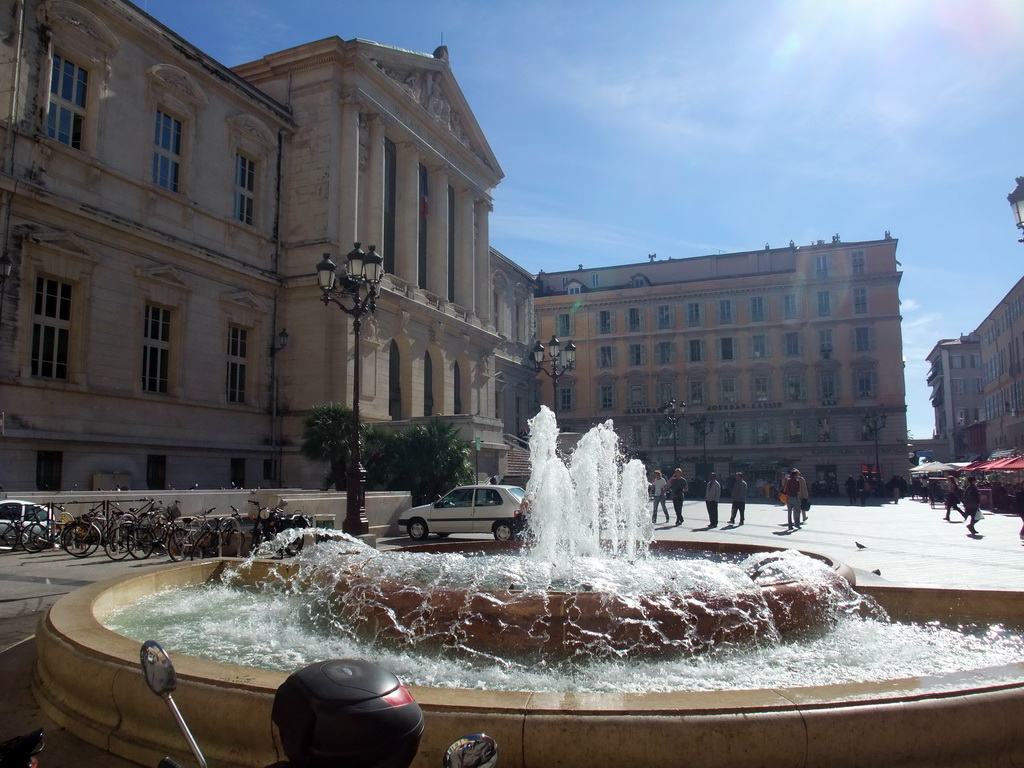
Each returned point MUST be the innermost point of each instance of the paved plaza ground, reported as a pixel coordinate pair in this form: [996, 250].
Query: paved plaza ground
[907, 543]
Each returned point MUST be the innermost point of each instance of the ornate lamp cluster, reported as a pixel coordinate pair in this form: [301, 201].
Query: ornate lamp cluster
[560, 359]
[355, 293]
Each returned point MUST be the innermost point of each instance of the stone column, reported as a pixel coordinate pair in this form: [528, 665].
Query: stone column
[348, 177]
[465, 250]
[372, 208]
[437, 231]
[407, 210]
[482, 255]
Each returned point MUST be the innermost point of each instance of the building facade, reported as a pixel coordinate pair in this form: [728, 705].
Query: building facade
[782, 356]
[163, 215]
[1002, 366]
[955, 377]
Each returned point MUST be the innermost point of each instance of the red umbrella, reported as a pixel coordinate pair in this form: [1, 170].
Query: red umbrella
[1009, 464]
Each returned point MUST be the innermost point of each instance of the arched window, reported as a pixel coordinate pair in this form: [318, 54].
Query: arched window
[428, 385]
[395, 382]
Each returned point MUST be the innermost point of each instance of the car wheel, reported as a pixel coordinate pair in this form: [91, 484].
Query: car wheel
[418, 529]
[503, 531]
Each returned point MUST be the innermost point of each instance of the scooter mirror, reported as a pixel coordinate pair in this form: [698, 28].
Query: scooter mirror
[478, 750]
[157, 668]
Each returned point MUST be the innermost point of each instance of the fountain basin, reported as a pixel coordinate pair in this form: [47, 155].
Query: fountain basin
[87, 679]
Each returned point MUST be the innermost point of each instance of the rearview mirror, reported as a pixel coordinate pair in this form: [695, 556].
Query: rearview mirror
[157, 668]
[478, 750]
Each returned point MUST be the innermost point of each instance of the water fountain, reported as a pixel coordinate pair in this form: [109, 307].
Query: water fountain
[588, 594]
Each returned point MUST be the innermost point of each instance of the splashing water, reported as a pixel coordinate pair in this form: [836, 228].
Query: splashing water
[586, 606]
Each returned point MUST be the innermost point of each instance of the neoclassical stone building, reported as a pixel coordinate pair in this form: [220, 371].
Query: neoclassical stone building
[779, 354]
[163, 214]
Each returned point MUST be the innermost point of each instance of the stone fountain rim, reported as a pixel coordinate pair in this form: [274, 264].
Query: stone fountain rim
[83, 610]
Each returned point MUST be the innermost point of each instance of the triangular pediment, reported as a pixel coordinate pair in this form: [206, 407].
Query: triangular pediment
[166, 275]
[428, 83]
[244, 300]
[63, 242]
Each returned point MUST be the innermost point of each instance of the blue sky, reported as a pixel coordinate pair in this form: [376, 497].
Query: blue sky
[685, 127]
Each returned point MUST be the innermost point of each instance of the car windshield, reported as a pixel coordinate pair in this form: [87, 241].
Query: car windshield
[517, 493]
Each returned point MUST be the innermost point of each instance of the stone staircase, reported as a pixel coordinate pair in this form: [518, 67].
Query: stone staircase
[519, 466]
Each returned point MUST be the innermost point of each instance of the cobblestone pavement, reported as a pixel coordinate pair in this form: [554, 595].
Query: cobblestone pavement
[907, 543]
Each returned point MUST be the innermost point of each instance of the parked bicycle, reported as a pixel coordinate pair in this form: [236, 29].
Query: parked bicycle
[218, 536]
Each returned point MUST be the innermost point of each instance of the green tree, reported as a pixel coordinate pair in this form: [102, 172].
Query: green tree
[326, 436]
[434, 459]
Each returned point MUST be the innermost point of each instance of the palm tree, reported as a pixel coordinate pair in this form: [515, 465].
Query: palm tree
[326, 436]
[435, 459]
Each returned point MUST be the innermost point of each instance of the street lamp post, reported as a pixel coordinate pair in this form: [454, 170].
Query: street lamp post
[703, 427]
[874, 422]
[674, 412]
[562, 360]
[1016, 199]
[359, 286]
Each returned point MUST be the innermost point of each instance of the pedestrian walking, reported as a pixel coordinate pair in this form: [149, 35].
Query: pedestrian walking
[862, 490]
[712, 494]
[678, 488]
[972, 505]
[851, 490]
[952, 498]
[795, 489]
[739, 499]
[659, 486]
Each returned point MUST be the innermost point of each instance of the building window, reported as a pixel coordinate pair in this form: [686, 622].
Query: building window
[606, 357]
[638, 435]
[637, 395]
[729, 433]
[563, 325]
[595, 280]
[566, 401]
[664, 317]
[726, 349]
[865, 383]
[762, 432]
[156, 472]
[636, 319]
[156, 349]
[637, 354]
[824, 304]
[821, 265]
[65, 121]
[48, 470]
[666, 352]
[696, 392]
[725, 313]
[795, 387]
[606, 396]
[565, 283]
[167, 151]
[827, 386]
[956, 361]
[860, 301]
[695, 349]
[824, 430]
[975, 361]
[237, 348]
[727, 390]
[605, 321]
[796, 431]
[51, 329]
[759, 345]
[958, 386]
[757, 313]
[666, 391]
[857, 262]
[863, 340]
[694, 315]
[793, 343]
[825, 342]
[245, 186]
[761, 389]
[789, 307]
[573, 289]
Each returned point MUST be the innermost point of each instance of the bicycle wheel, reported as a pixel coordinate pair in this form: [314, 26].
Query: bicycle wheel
[81, 539]
[231, 537]
[11, 534]
[205, 546]
[36, 537]
[175, 544]
[144, 539]
[119, 542]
